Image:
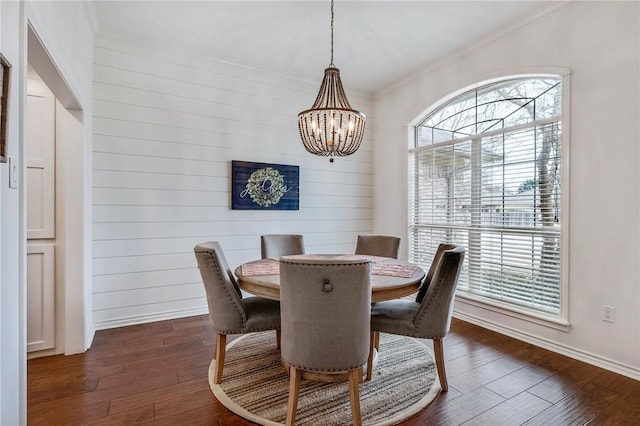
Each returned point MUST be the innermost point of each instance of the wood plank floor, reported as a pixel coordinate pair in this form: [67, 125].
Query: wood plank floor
[157, 373]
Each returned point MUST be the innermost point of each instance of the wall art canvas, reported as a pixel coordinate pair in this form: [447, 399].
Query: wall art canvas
[264, 186]
[5, 68]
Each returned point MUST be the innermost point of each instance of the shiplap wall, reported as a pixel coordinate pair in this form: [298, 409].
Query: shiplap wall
[166, 126]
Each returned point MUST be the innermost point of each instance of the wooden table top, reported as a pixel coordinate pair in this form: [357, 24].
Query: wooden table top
[383, 287]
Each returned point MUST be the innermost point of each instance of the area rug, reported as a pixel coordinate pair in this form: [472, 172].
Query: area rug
[255, 385]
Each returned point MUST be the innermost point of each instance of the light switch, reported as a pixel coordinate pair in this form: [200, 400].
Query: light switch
[13, 174]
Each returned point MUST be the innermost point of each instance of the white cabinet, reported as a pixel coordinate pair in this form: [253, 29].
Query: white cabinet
[41, 217]
[40, 161]
[40, 296]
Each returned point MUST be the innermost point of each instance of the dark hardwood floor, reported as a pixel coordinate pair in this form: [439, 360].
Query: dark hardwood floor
[157, 373]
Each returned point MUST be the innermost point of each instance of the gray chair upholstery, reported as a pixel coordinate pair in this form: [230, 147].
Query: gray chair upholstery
[274, 245]
[431, 317]
[378, 245]
[326, 307]
[229, 312]
[432, 269]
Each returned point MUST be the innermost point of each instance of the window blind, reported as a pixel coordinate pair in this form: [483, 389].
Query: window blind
[498, 193]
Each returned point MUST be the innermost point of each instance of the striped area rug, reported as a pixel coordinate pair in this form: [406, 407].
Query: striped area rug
[255, 385]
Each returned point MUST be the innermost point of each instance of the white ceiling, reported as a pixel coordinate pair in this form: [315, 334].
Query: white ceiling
[376, 42]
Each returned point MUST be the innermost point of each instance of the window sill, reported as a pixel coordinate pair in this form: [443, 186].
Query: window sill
[514, 312]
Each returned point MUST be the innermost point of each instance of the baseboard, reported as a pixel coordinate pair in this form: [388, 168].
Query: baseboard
[590, 358]
[141, 319]
[91, 333]
[43, 353]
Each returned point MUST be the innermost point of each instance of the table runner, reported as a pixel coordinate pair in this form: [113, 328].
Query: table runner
[261, 268]
[400, 270]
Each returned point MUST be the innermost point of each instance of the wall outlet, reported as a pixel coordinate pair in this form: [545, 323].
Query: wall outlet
[608, 313]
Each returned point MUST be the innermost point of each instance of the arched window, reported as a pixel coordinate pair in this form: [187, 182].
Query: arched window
[484, 172]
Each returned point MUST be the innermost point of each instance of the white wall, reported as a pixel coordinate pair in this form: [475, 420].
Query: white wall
[65, 31]
[166, 127]
[600, 42]
[12, 327]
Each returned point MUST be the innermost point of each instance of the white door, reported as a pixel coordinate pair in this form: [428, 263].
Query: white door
[40, 158]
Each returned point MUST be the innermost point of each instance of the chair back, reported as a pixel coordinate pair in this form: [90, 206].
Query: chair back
[325, 306]
[224, 298]
[432, 269]
[274, 245]
[378, 245]
[433, 318]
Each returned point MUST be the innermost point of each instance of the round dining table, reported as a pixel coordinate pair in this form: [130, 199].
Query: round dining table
[390, 278]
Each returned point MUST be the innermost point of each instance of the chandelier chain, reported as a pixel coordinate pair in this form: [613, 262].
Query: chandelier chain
[331, 64]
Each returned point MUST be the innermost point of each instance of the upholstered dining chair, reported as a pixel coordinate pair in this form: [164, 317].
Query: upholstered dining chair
[273, 245]
[326, 306]
[429, 318]
[229, 312]
[425, 283]
[442, 247]
[378, 245]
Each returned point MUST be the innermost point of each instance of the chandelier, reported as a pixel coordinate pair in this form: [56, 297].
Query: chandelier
[331, 127]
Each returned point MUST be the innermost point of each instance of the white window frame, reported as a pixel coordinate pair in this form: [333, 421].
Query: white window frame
[561, 321]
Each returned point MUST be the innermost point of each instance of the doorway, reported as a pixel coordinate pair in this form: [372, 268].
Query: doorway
[73, 328]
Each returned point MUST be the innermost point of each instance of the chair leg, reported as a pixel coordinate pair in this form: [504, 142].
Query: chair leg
[354, 395]
[370, 358]
[377, 340]
[438, 350]
[221, 343]
[294, 386]
[278, 337]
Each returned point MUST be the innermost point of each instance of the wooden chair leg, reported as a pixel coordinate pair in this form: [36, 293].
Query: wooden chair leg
[221, 343]
[278, 337]
[438, 350]
[294, 386]
[377, 340]
[370, 358]
[354, 395]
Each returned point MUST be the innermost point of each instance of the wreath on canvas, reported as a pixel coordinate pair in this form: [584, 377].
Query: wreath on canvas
[266, 187]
